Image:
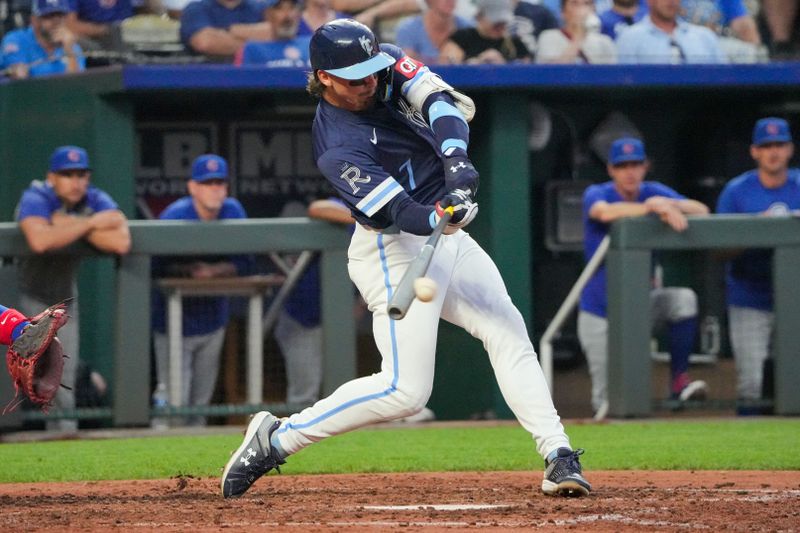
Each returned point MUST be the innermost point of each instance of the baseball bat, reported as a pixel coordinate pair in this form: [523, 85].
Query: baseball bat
[404, 295]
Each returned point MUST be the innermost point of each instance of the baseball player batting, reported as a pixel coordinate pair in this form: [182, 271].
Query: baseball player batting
[392, 137]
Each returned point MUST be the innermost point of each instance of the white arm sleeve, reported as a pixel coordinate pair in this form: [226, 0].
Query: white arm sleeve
[425, 83]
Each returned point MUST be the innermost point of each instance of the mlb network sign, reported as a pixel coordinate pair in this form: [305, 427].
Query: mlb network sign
[270, 163]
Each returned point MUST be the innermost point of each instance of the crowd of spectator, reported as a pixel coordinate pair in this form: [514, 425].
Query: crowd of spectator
[42, 37]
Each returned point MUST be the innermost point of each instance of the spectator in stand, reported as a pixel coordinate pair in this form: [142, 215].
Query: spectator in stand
[219, 28]
[46, 47]
[374, 13]
[490, 41]
[530, 20]
[620, 15]
[738, 33]
[422, 36]
[781, 19]
[204, 317]
[729, 19]
[661, 37]
[772, 190]
[286, 49]
[96, 22]
[315, 14]
[579, 40]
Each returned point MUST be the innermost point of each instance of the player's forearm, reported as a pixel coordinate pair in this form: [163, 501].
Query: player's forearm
[46, 237]
[330, 211]
[693, 207]
[411, 217]
[260, 31]
[113, 241]
[613, 211]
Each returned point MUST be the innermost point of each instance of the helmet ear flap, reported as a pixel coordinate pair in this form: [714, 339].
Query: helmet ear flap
[385, 80]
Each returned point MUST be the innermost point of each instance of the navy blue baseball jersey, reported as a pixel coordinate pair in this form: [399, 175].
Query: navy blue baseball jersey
[381, 158]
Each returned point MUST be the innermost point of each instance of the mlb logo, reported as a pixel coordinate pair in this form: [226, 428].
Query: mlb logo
[73, 156]
[212, 165]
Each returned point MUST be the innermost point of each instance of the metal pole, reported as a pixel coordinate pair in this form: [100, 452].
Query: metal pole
[546, 344]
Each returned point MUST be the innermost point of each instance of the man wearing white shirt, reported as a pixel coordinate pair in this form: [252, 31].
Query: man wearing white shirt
[662, 38]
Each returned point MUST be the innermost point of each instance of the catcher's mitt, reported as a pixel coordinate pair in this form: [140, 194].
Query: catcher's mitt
[36, 359]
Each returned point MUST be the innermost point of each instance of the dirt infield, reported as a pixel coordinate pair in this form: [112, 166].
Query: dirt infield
[621, 501]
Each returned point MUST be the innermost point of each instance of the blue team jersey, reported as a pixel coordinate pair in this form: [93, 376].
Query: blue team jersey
[291, 53]
[201, 315]
[21, 46]
[40, 200]
[102, 11]
[211, 14]
[749, 276]
[593, 297]
[376, 156]
[612, 23]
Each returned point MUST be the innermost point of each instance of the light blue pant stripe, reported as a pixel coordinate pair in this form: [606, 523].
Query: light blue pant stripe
[355, 401]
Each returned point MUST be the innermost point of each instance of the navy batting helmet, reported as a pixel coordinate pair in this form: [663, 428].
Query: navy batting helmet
[347, 49]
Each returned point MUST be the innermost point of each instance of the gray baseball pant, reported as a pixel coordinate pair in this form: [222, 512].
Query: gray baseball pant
[302, 355]
[750, 333]
[200, 365]
[667, 304]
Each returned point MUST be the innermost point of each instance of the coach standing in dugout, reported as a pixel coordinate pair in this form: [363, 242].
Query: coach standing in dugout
[773, 190]
[53, 214]
[204, 317]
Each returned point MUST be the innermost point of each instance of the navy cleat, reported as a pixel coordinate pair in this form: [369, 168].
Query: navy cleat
[254, 458]
[562, 475]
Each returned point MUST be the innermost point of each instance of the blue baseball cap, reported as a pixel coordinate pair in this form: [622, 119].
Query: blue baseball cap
[209, 167]
[625, 150]
[771, 130]
[69, 158]
[41, 8]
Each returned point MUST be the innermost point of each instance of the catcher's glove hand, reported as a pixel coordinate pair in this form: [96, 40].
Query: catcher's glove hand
[36, 359]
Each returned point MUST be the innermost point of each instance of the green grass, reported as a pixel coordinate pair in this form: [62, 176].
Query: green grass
[760, 444]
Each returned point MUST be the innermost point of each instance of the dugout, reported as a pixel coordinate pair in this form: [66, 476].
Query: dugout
[143, 125]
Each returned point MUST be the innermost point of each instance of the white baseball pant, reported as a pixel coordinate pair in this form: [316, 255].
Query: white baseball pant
[471, 294]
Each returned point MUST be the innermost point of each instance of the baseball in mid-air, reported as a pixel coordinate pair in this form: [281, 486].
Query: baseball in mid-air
[425, 289]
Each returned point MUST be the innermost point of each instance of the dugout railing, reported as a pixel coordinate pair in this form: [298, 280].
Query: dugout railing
[628, 263]
[129, 315]
[696, 120]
